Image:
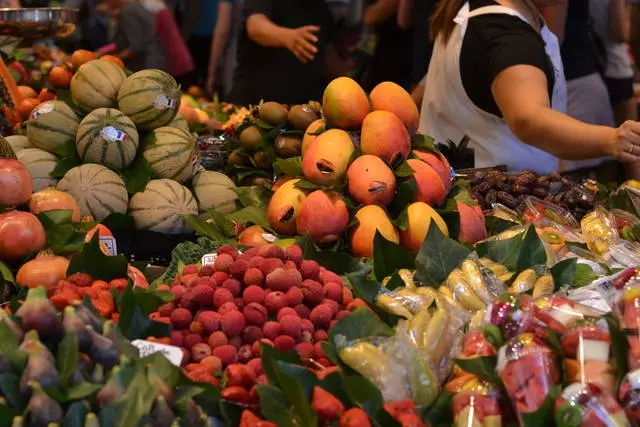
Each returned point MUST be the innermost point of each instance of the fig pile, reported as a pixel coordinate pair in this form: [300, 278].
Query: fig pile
[511, 190]
[224, 311]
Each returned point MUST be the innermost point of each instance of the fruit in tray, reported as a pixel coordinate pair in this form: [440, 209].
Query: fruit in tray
[599, 230]
[629, 396]
[630, 321]
[475, 403]
[588, 405]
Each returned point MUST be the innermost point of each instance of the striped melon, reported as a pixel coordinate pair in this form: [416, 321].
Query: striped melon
[96, 85]
[52, 125]
[180, 123]
[171, 152]
[19, 142]
[161, 205]
[98, 190]
[107, 137]
[214, 191]
[40, 164]
[150, 98]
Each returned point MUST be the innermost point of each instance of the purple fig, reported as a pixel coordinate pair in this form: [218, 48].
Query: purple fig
[5, 365]
[4, 317]
[113, 389]
[103, 350]
[88, 317]
[39, 369]
[38, 314]
[161, 414]
[32, 346]
[42, 410]
[195, 416]
[74, 325]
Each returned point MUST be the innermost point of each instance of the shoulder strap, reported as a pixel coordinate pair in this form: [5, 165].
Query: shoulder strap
[495, 9]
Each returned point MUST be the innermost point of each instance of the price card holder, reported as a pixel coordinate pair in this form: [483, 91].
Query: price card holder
[208, 259]
[110, 243]
[172, 353]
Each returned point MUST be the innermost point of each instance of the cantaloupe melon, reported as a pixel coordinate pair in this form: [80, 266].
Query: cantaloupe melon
[151, 98]
[19, 142]
[52, 125]
[214, 191]
[96, 85]
[180, 123]
[40, 164]
[98, 190]
[171, 152]
[107, 137]
[161, 205]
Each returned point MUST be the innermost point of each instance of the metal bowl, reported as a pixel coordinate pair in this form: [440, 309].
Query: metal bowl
[35, 23]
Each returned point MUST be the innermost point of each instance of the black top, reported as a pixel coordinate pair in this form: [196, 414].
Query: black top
[494, 43]
[579, 49]
[275, 74]
[422, 44]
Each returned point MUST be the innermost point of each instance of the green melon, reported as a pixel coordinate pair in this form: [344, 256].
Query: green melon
[107, 137]
[151, 98]
[180, 123]
[19, 142]
[51, 126]
[98, 190]
[161, 206]
[171, 152]
[40, 164]
[96, 85]
[214, 191]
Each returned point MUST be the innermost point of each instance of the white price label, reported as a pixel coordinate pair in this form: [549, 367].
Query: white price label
[208, 259]
[172, 353]
[110, 243]
[269, 237]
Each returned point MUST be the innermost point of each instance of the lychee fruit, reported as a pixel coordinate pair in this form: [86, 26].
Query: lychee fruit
[213, 363]
[271, 330]
[309, 269]
[177, 339]
[253, 276]
[239, 302]
[321, 316]
[290, 265]
[181, 318]
[239, 268]
[302, 311]
[286, 311]
[202, 281]
[218, 278]
[284, 343]
[294, 296]
[200, 351]
[305, 350]
[223, 262]
[244, 353]
[275, 301]
[226, 353]
[347, 296]
[294, 253]
[217, 339]
[189, 269]
[312, 291]
[206, 271]
[333, 291]
[234, 286]
[334, 306]
[269, 264]
[255, 366]
[254, 293]
[191, 340]
[291, 325]
[252, 334]
[220, 296]
[236, 341]
[282, 280]
[255, 262]
[227, 307]
[307, 326]
[196, 328]
[255, 314]
[327, 276]
[318, 352]
[166, 309]
[178, 291]
[320, 335]
[202, 295]
[339, 315]
[272, 251]
[226, 249]
[233, 323]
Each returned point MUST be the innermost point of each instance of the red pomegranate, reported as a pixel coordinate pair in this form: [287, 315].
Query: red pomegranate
[15, 183]
[20, 234]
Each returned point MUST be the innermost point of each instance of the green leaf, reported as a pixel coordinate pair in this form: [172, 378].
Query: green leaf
[274, 406]
[402, 220]
[257, 196]
[6, 415]
[389, 257]
[231, 412]
[532, 252]
[404, 170]
[496, 225]
[67, 357]
[9, 343]
[334, 384]
[482, 367]
[366, 396]
[619, 347]
[405, 196]
[5, 273]
[358, 324]
[118, 221]
[438, 256]
[291, 167]
[297, 383]
[76, 415]
[133, 321]
[543, 416]
[493, 334]
[423, 142]
[584, 275]
[308, 185]
[138, 175]
[251, 214]
[99, 266]
[270, 356]
[69, 158]
[133, 406]
[367, 290]
[82, 390]
[518, 253]
[440, 412]
[569, 415]
[10, 390]
[222, 222]
[61, 231]
[564, 272]
[202, 227]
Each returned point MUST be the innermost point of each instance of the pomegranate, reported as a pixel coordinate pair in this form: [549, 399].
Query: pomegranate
[46, 270]
[51, 199]
[15, 183]
[20, 234]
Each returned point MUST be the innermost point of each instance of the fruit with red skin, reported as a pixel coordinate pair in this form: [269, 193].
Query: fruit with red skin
[200, 351]
[309, 270]
[327, 276]
[234, 286]
[255, 314]
[341, 314]
[291, 325]
[355, 417]
[166, 309]
[206, 271]
[267, 265]
[227, 307]
[334, 306]
[239, 268]
[357, 303]
[235, 394]
[189, 280]
[302, 311]
[290, 265]
[191, 340]
[294, 296]
[285, 311]
[196, 328]
[213, 363]
[210, 321]
[333, 291]
[282, 280]
[307, 326]
[186, 357]
[177, 339]
[255, 348]
[217, 339]
[275, 301]
[178, 291]
[294, 253]
[244, 353]
[239, 302]
[223, 262]
[226, 353]
[318, 352]
[219, 277]
[238, 375]
[305, 350]
[312, 291]
[284, 343]
[255, 366]
[80, 279]
[253, 276]
[181, 318]
[206, 281]
[272, 251]
[230, 250]
[254, 293]
[190, 269]
[202, 295]
[306, 336]
[271, 330]
[326, 405]
[236, 342]
[347, 296]
[220, 296]
[321, 316]
[252, 334]
[233, 323]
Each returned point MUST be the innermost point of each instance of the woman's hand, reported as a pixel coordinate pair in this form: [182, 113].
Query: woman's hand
[301, 42]
[626, 144]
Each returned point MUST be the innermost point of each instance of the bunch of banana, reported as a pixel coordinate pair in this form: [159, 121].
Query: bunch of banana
[466, 286]
[406, 301]
[527, 280]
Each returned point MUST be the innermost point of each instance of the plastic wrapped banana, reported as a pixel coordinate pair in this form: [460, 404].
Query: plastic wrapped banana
[405, 301]
[470, 287]
[527, 281]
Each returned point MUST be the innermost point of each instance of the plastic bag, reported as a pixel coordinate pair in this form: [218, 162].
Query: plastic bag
[544, 214]
[529, 370]
[406, 302]
[599, 231]
[625, 223]
[629, 395]
[588, 405]
[474, 403]
[472, 286]
[629, 312]
[501, 211]
[512, 314]
[558, 312]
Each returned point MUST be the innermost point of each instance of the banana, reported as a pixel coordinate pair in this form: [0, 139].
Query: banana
[435, 337]
[445, 291]
[413, 301]
[505, 277]
[473, 275]
[407, 278]
[427, 293]
[509, 234]
[477, 321]
[445, 295]
[392, 306]
[424, 382]
[463, 292]
[497, 269]
[385, 281]
[524, 282]
[365, 358]
[543, 286]
[417, 327]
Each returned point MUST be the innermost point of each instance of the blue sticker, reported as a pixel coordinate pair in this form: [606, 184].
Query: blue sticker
[112, 134]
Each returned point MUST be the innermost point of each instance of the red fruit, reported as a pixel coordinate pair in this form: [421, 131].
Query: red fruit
[251, 334]
[218, 339]
[234, 286]
[290, 265]
[357, 303]
[269, 264]
[189, 280]
[321, 316]
[210, 321]
[271, 330]
[305, 350]
[200, 351]
[223, 262]
[227, 307]
[166, 309]
[233, 323]
[302, 311]
[220, 296]
[21, 234]
[235, 394]
[333, 291]
[282, 280]
[347, 296]
[239, 302]
[271, 251]
[230, 250]
[291, 325]
[255, 262]
[284, 343]
[226, 353]
[355, 417]
[181, 318]
[326, 405]
[213, 363]
[255, 314]
[219, 277]
[189, 269]
[334, 306]
[236, 342]
[318, 352]
[253, 276]
[255, 366]
[341, 314]
[202, 295]
[255, 348]
[244, 353]
[191, 340]
[294, 253]
[196, 328]
[80, 279]
[275, 301]
[203, 281]
[309, 270]
[312, 291]
[327, 276]
[239, 268]
[177, 339]
[186, 357]
[238, 375]
[254, 293]
[294, 296]
[307, 326]
[178, 291]
[206, 271]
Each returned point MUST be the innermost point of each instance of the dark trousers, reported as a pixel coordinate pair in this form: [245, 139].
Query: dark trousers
[200, 48]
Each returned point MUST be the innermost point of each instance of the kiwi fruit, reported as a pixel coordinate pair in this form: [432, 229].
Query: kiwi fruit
[288, 146]
[250, 137]
[237, 159]
[257, 181]
[301, 116]
[262, 160]
[273, 113]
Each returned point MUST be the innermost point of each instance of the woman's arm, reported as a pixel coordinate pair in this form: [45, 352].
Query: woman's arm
[219, 41]
[300, 41]
[536, 124]
[556, 18]
[405, 8]
[620, 21]
[380, 11]
[634, 38]
[14, 4]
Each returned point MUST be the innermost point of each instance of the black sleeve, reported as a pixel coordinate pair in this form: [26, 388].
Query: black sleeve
[252, 7]
[138, 37]
[492, 44]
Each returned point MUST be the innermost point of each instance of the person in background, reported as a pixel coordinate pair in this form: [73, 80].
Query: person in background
[11, 4]
[634, 36]
[231, 55]
[284, 51]
[219, 45]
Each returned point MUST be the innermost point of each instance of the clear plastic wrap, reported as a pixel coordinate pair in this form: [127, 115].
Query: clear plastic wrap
[629, 311]
[512, 314]
[629, 396]
[558, 312]
[529, 370]
[544, 214]
[501, 211]
[472, 286]
[474, 403]
[625, 223]
[588, 405]
[599, 231]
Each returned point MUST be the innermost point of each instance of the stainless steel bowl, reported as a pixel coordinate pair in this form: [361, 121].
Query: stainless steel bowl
[38, 22]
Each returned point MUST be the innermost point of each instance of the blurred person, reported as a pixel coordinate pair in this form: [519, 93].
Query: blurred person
[284, 51]
[496, 79]
[231, 55]
[220, 44]
[11, 4]
[634, 33]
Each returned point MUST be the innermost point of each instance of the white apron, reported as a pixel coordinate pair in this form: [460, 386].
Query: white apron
[448, 113]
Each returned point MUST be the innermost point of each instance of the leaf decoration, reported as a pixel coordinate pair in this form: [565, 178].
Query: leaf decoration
[251, 214]
[367, 397]
[203, 227]
[67, 357]
[424, 142]
[257, 196]
[517, 253]
[61, 231]
[406, 194]
[291, 167]
[69, 159]
[99, 266]
[438, 256]
[274, 406]
[619, 347]
[404, 170]
[564, 272]
[496, 225]
[544, 415]
[483, 367]
[134, 309]
[137, 175]
[367, 290]
[389, 257]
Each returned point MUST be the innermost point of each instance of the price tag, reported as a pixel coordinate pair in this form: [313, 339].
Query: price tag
[110, 243]
[172, 353]
[111, 134]
[269, 237]
[208, 259]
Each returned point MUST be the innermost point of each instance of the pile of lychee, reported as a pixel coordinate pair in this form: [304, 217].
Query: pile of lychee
[223, 312]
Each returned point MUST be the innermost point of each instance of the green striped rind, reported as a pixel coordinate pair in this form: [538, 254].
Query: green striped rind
[96, 85]
[19, 142]
[98, 190]
[40, 164]
[51, 130]
[93, 148]
[138, 92]
[170, 151]
[214, 191]
[180, 123]
[161, 205]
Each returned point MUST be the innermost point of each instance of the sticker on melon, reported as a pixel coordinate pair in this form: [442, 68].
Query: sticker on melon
[170, 153]
[53, 124]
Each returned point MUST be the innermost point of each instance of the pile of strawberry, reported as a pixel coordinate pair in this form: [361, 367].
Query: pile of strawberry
[222, 312]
